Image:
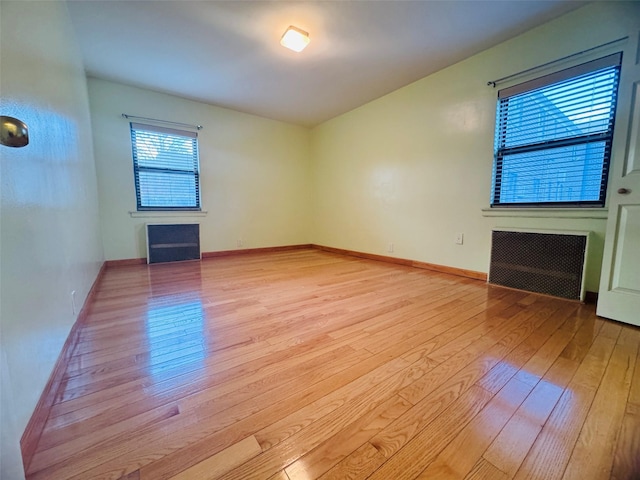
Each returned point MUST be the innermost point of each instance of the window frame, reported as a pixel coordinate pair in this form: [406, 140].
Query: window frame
[613, 61]
[137, 168]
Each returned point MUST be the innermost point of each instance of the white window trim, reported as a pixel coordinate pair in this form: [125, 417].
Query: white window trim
[598, 213]
[167, 213]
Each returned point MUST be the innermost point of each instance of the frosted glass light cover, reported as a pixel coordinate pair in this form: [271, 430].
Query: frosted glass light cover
[295, 39]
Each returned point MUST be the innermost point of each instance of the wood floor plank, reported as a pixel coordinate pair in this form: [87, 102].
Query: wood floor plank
[510, 447]
[358, 465]
[466, 449]
[309, 364]
[424, 386]
[242, 386]
[281, 475]
[634, 390]
[289, 450]
[424, 447]
[552, 449]
[626, 462]
[595, 447]
[538, 364]
[476, 315]
[437, 390]
[483, 470]
[280, 431]
[201, 422]
[131, 476]
[336, 448]
[86, 406]
[222, 462]
[271, 414]
[77, 442]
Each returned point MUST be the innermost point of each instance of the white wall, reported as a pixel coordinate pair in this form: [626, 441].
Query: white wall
[49, 231]
[254, 173]
[413, 168]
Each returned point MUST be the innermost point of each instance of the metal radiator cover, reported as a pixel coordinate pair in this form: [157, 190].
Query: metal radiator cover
[173, 243]
[548, 263]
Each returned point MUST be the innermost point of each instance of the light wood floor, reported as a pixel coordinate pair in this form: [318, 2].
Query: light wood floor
[305, 364]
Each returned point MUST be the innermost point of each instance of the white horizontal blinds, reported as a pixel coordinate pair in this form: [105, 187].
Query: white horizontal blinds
[553, 141]
[165, 163]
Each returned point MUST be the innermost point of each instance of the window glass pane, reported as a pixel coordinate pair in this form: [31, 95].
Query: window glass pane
[167, 189]
[571, 108]
[164, 151]
[566, 174]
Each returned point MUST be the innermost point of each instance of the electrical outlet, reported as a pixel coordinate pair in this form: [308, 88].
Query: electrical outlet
[459, 238]
[390, 248]
[240, 243]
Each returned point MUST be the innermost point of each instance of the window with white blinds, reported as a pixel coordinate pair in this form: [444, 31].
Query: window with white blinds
[165, 165]
[553, 137]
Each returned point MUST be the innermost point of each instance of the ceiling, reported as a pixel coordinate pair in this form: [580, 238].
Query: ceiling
[227, 53]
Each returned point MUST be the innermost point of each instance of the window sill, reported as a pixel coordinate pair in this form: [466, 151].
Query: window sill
[167, 213]
[588, 213]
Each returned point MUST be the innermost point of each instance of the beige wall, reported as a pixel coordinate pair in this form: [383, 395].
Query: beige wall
[49, 233]
[254, 173]
[413, 168]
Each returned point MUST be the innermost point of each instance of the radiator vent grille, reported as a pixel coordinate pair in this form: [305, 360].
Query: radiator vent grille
[173, 243]
[548, 263]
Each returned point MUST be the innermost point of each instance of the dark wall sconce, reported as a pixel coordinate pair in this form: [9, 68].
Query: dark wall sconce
[13, 132]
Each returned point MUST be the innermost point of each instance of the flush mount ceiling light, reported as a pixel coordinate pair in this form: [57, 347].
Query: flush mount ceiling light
[295, 39]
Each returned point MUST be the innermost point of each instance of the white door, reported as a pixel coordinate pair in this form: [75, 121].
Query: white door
[619, 295]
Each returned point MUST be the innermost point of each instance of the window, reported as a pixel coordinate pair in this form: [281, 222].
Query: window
[553, 137]
[165, 166]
